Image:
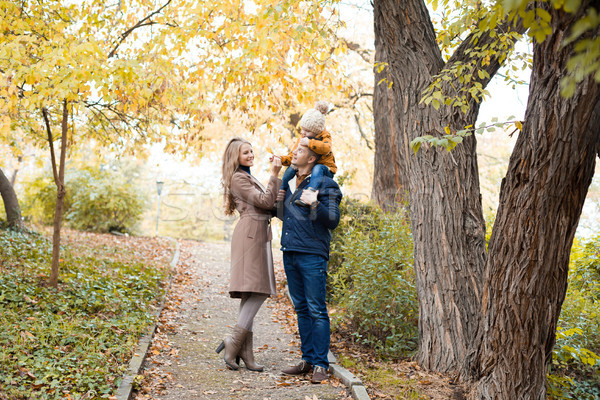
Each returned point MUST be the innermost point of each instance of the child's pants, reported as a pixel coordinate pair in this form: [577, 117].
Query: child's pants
[316, 176]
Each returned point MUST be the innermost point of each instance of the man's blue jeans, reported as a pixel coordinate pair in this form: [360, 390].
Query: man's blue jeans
[307, 278]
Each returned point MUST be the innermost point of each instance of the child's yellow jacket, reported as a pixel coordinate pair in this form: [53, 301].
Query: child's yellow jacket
[320, 144]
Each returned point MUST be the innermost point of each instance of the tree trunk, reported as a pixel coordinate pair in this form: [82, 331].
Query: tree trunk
[11, 203]
[13, 178]
[445, 202]
[541, 200]
[390, 177]
[59, 180]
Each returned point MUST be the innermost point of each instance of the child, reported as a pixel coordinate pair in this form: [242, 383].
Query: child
[317, 139]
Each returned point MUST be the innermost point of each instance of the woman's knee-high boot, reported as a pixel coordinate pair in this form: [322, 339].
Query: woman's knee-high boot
[247, 354]
[232, 345]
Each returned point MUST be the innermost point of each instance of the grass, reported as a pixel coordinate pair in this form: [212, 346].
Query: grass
[382, 379]
[74, 342]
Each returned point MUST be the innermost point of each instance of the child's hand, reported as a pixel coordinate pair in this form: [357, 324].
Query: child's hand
[304, 141]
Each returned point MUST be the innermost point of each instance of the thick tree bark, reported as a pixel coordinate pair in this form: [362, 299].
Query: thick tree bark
[541, 200]
[447, 220]
[11, 203]
[390, 178]
[59, 180]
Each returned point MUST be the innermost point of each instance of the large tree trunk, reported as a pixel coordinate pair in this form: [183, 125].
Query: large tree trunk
[541, 200]
[445, 203]
[11, 203]
[59, 180]
[390, 177]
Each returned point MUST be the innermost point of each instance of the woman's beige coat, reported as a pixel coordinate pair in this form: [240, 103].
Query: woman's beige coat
[251, 257]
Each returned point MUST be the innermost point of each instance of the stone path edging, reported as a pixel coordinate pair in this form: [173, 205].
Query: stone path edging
[139, 355]
[359, 392]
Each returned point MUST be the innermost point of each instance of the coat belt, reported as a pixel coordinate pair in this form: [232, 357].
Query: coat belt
[259, 217]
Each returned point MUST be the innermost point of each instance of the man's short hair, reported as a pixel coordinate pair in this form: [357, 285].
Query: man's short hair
[312, 153]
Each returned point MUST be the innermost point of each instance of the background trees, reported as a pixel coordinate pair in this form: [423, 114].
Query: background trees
[181, 74]
[133, 73]
[466, 295]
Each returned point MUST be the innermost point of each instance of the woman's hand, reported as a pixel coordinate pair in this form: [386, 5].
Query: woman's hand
[275, 165]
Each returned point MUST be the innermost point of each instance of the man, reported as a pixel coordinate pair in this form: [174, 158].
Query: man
[305, 243]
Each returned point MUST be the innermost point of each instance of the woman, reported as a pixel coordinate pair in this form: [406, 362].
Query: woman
[252, 276]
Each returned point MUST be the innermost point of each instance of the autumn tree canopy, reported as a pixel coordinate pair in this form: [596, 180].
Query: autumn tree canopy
[136, 72]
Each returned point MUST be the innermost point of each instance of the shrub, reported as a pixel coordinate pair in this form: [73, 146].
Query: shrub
[371, 279]
[103, 201]
[39, 200]
[96, 200]
[576, 360]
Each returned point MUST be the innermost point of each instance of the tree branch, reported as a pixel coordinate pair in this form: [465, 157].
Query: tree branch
[365, 54]
[143, 22]
[63, 145]
[461, 55]
[51, 143]
[362, 133]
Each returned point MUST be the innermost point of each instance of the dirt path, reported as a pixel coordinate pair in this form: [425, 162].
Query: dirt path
[182, 363]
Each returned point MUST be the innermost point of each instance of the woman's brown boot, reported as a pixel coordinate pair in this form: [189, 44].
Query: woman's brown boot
[232, 345]
[247, 354]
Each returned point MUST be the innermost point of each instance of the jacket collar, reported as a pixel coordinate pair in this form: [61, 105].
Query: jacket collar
[298, 192]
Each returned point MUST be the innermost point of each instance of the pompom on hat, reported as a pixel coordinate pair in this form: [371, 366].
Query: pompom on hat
[314, 119]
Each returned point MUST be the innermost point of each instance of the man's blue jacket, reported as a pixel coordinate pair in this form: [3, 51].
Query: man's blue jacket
[306, 229]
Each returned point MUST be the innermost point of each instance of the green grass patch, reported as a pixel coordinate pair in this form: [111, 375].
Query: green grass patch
[394, 385]
[74, 342]
[381, 378]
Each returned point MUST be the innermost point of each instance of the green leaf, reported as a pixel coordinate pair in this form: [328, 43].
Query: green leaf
[543, 14]
[415, 147]
[572, 5]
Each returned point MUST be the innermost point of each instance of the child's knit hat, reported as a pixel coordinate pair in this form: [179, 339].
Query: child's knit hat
[314, 119]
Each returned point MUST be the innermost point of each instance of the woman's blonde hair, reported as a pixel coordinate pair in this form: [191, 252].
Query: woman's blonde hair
[231, 162]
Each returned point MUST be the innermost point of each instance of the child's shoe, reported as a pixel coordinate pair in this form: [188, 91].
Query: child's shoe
[300, 203]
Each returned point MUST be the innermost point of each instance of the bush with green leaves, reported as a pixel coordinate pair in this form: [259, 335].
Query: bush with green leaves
[575, 371]
[98, 200]
[371, 279]
[75, 342]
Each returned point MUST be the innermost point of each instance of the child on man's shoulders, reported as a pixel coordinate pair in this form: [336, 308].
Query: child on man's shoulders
[317, 139]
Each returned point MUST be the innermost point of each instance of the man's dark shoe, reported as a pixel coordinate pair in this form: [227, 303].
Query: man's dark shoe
[319, 375]
[302, 368]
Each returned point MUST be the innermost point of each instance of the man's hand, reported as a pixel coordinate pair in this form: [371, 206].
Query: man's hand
[280, 195]
[309, 196]
[304, 141]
